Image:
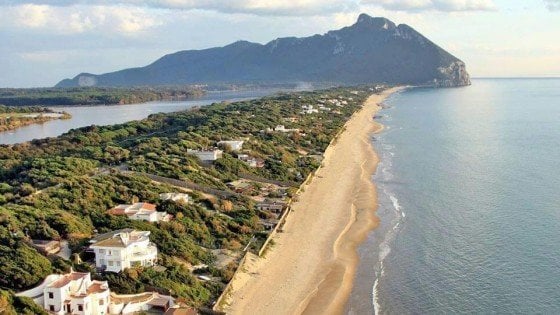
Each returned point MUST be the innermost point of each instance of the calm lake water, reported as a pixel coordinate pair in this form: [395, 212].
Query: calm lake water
[114, 114]
[469, 203]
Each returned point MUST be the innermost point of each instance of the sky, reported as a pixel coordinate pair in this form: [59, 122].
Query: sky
[43, 42]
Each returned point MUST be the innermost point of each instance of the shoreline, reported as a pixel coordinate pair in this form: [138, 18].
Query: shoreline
[311, 267]
[28, 119]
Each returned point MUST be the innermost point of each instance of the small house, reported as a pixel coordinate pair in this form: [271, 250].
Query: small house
[141, 211]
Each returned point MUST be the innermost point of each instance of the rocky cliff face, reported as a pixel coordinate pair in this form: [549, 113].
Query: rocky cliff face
[453, 75]
[372, 50]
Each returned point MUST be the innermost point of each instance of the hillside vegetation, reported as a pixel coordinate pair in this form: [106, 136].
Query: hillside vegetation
[60, 189]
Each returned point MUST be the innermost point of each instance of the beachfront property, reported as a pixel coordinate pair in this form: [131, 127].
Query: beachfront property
[180, 197]
[71, 293]
[141, 211]
[271, 205]
[75, 293]
[206, 155]
[251, 161]
[117, 250]
[235, 145]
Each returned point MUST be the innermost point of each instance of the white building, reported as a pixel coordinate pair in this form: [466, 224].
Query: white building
[235, 145]
[122, 249]
[72, 293]
[206, 156]
[282, 128]
[76, 294]
[141, 211]
[175, 197]
[308, 109]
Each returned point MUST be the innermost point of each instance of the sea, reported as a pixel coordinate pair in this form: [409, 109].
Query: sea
[469, 202]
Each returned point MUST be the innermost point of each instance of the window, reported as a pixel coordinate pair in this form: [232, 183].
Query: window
[51, 308]
[110, 263]
[101, 302]
[102, 251]
[51, 295]
[80, 307]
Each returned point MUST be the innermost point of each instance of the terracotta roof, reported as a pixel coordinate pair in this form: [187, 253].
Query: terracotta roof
[67, 279]
[98, 287]
[181, 311]
[132, 209]
[117, 211]
[148, 206]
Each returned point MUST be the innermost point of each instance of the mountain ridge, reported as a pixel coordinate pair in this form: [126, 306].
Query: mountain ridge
[372, 50]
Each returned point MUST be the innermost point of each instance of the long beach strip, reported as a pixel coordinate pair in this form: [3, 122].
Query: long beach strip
[310, 268]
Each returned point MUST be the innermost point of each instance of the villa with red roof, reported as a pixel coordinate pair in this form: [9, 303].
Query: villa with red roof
[141, 211]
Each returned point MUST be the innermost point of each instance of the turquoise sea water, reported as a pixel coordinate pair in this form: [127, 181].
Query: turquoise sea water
[469, 203]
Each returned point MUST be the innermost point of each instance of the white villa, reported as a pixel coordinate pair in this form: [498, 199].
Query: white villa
[72, 293]
[308, 109]
[76, 294]
[175, 197]
[235, 145]
[282, 128]
[117, 250]
[141, 211]
[206, 156]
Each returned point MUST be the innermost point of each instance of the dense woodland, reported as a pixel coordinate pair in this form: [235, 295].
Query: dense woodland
[60, 188]
[95, 95]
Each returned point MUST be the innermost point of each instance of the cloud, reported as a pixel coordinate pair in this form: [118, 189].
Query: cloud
[257, 7]
[552, 5]
[126, 21]
[434, 5]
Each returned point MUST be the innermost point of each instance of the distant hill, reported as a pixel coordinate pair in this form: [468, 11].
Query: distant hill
[371, 50]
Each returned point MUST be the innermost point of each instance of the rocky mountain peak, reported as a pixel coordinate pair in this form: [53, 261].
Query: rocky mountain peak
[367, 21]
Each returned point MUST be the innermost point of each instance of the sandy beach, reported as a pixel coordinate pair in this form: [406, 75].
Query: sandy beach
[311, 266]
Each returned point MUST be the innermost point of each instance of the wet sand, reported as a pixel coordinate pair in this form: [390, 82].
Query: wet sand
[311, 266]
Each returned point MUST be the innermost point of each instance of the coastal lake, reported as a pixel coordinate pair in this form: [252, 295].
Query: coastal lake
[83, 116]
[468, 200]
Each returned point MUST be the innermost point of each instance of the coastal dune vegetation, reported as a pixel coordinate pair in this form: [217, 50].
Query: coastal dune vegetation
[61, 188]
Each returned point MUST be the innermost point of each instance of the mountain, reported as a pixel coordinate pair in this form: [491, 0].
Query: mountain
[371, 50]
